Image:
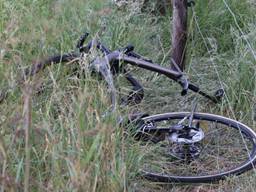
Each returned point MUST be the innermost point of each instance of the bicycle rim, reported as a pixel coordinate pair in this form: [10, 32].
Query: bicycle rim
[38, 67]
[228, 148]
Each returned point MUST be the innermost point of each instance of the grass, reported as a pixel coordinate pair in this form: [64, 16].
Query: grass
[70, 146]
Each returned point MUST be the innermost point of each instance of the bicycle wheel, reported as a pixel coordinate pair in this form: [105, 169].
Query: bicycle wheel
[34, 69]
[96, 66]
[228, 148]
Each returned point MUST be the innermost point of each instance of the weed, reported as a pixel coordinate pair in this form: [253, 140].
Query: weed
[72, 147]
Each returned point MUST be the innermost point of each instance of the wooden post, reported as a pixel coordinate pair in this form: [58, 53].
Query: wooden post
[179, 33]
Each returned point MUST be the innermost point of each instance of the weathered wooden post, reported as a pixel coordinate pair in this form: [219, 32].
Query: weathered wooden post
[179, 33]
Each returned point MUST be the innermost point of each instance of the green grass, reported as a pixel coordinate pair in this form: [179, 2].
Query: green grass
[72, 148]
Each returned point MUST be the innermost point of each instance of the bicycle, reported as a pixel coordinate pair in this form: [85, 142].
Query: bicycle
[189, 147]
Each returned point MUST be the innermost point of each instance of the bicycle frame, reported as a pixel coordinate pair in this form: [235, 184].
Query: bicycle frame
[112, 57]
[171, 74]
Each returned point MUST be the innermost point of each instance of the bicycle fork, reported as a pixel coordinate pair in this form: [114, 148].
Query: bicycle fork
[185, 139]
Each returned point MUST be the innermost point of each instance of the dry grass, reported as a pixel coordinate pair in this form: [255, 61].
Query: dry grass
[69, 146]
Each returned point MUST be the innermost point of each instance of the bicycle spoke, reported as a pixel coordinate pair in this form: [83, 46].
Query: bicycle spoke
[220, 151]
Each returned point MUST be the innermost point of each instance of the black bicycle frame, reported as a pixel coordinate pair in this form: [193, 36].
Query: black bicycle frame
[126, 56]
[171, 74]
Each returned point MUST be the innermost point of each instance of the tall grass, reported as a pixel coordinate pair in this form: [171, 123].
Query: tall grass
[72, 147]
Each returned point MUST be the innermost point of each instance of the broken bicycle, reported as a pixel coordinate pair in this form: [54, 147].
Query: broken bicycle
[180, 146]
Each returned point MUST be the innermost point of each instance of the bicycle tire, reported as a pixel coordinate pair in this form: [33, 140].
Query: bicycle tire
[66, 58]
[242, 129]
[36, 68]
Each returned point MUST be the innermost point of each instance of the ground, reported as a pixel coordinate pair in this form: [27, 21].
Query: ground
[71, 147]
